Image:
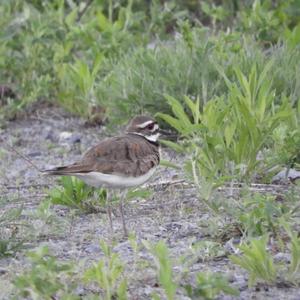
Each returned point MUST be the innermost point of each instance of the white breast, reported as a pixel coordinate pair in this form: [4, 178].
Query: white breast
[97, 179]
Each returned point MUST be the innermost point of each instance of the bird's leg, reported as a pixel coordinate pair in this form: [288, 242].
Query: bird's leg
[121, 205]
[108, 209]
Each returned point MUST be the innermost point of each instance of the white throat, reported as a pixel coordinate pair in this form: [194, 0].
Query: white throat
[151, 138]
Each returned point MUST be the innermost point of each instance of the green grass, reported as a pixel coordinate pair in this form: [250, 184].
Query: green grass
[107, 274]
[47, 278]
[164, 268]
[257, 261]
[74, 193]
[10, 242]
[209, 286]
[104, 57]
[138, 82]
[228, 83]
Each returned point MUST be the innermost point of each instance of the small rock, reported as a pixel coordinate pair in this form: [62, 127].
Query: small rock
[282, 257]
[174, 226]
[69, 138]
[283, 176]
[93, 248]
[64, 136]
[231, 246]
[80, 291]
[75, 139]
[2, 271]
[48, 134]
[34, 153]
[240, 282]
[123, 246]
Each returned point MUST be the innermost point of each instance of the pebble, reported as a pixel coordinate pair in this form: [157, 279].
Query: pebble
[231, 246]
[282, 257]
[93, 248]
[48, 134]
[3, 271]
[241, 282]
[34, 153]
[80, 291]
[282, 176]
[66, 137]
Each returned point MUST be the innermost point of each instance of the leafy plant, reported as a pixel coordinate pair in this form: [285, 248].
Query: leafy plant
[287, 145]
[137, 83]
[262, 214]
[225, 138]
[266, 20]
[47, 279]
[56, 43]
[9, 225]
[44, 221]
[293, 272]
[209, 286]
[107, 274]
[294, 268]
[257, 261]
[206, 250]
[292, 36]
[217, 13]
[75, 193]
[164, 268]
[78, 85]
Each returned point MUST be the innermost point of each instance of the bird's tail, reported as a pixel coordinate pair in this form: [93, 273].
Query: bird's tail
[68, 170]
[65, 170]
[57, 171]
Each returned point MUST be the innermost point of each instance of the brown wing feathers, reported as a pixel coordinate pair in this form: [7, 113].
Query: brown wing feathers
[129, 154]
[68, 170]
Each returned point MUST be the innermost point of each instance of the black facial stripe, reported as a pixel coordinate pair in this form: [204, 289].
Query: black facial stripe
[153, 132]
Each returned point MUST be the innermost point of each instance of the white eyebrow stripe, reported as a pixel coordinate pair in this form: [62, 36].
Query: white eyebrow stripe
[145, 124]
[155, 127]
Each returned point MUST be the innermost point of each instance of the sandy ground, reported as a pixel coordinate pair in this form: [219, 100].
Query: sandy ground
[172, 213]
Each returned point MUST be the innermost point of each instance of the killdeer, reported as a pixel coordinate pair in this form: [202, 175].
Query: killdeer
[119, 162]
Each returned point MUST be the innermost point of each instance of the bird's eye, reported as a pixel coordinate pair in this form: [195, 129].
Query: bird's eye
[150, 126]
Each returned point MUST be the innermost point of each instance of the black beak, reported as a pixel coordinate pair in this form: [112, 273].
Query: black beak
[166, 133]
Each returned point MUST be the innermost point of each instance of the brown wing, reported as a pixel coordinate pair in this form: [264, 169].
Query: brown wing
[129, 154]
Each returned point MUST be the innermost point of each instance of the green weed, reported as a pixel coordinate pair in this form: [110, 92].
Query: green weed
[137, 83]
[207, 250]
[47, 279]
[232, 132]
[262, 214]
[225, 138]
[209, 286]
[43, 221]
[76, 194]
[164, 268]
[107, 274]
[78, 85]
[265, 20]
[56, 46]
[257, 261]
[10, 222]
[293, 272]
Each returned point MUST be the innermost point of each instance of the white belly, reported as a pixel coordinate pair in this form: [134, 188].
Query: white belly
[97, 179]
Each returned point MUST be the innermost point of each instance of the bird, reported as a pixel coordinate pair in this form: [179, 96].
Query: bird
[119, 162]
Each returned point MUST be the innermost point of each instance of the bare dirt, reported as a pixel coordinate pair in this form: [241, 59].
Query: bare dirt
[172, 213]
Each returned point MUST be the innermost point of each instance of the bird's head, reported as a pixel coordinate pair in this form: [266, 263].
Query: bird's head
[144, 126]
